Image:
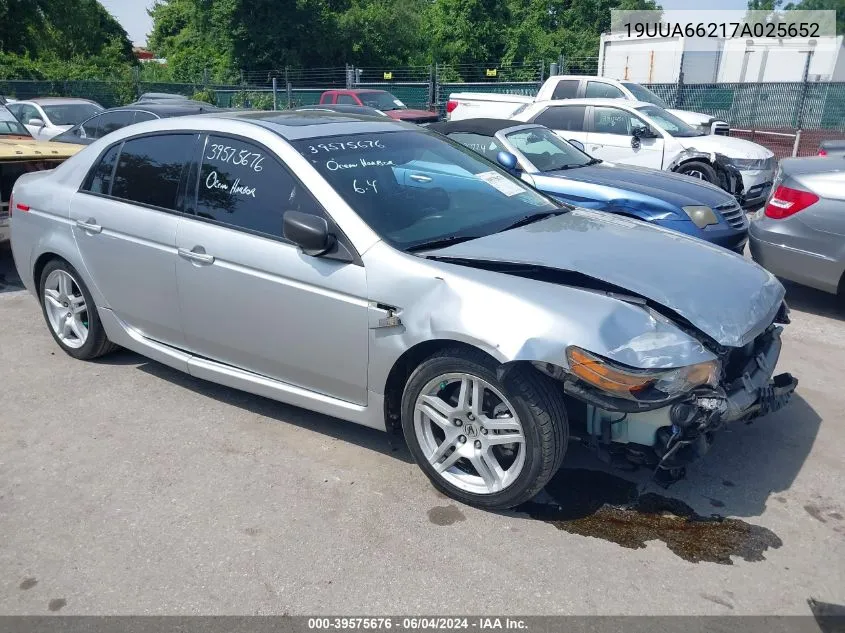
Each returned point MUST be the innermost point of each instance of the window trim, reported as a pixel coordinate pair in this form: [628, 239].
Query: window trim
[123, 142]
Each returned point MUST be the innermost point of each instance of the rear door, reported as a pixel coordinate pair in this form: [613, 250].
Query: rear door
[125, 219]
[251, 299]
[611, 138]
[567, 121]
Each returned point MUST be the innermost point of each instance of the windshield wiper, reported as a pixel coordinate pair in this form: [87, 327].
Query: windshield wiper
[593, 161]
[530, 219]
[440, 243]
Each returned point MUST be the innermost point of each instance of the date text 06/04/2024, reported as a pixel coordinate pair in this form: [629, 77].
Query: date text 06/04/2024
[416, 623]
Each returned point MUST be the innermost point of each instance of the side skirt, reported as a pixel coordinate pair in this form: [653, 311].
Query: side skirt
[118, 332]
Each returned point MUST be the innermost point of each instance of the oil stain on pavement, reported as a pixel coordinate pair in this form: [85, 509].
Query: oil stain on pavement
[602, 505]
[445, 515]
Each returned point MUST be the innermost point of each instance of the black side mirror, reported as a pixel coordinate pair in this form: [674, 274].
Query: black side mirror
[507, 160]
[309, 232]
[642, 131]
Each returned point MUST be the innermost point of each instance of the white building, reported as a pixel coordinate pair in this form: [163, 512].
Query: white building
[705, 60]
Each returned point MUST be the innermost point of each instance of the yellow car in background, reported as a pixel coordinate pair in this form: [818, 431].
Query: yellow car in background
[20, 153]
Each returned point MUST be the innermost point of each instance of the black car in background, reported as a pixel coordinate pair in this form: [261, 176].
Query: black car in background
[116, 118]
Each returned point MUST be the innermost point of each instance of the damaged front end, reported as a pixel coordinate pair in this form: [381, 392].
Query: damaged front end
[730, 179]
[670, 433]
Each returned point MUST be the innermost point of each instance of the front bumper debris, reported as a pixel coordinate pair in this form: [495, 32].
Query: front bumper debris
[753, 393]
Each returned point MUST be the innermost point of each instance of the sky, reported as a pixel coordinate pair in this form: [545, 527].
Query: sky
[132, 14]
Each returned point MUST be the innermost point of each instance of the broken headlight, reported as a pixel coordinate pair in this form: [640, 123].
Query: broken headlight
[639, 384]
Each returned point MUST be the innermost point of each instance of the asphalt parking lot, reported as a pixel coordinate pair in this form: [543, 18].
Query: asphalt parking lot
[129, 488]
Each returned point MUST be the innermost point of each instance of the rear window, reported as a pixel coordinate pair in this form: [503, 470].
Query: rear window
[149, 169]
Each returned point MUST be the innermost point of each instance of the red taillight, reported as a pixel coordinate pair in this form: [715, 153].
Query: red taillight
[786, 202]
[822, 152]
[450, 106]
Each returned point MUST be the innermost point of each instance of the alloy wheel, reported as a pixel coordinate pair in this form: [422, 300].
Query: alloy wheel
[469, 433]
[67, 311]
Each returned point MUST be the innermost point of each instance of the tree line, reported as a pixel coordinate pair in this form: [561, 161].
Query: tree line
[215, 39]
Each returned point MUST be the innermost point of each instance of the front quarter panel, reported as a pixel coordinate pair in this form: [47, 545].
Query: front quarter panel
[511, 318]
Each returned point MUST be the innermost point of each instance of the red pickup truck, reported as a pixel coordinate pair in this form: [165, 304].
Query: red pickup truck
[380, 100]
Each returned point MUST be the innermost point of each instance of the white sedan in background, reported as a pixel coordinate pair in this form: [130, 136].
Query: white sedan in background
[50, 116]
[640, 133]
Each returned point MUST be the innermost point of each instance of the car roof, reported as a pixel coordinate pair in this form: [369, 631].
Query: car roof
[56, 101]
[168, 108]
[487, 127]
[625, 103]
[295, 125]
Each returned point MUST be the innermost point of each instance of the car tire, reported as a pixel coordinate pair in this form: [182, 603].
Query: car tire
[467, 440]
[699, 169]
[70, 312]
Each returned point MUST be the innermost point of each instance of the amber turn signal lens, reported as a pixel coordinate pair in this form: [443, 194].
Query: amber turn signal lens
[598, 373]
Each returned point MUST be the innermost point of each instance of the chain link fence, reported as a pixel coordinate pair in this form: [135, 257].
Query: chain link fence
[788, 117]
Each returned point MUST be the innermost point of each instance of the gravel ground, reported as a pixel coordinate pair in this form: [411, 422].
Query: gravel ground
[129, 488]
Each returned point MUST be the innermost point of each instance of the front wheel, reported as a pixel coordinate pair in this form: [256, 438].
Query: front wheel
[699, 169]
[486, 442]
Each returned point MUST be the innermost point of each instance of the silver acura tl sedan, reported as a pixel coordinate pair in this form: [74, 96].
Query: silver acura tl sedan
[374, 271]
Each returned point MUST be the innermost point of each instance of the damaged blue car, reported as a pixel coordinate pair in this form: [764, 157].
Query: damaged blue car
[566, 173]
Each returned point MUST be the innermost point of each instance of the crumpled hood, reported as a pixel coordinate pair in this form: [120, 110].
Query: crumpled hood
[729, 146]
[661, 186]
[727, 297]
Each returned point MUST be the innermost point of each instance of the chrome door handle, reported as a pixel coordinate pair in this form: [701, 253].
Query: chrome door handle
[419, 178]
[201, 258]
[90, 226]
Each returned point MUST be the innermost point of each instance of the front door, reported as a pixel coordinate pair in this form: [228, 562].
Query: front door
[124, 222]
[612, 138]
[251, 299]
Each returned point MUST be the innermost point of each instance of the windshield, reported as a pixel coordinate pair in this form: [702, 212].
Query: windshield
[644, 94]
[380, 100]
[10, 126]
[669, 122]
[70, 113]
[546, 151]
[414, 187]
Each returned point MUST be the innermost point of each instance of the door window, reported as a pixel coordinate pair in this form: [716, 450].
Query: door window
[615, 121]
[326, 98]
[27, 112]
[149, 169]
[140, 116]
[100, 178]
[601, 90]
[569, 118]
[347, 99]
[112, 121]
[484, 145]
[243, 185]
[566, 89]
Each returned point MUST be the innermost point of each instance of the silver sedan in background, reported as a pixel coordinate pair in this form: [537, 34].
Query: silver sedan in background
[372, 270]
[800, 234]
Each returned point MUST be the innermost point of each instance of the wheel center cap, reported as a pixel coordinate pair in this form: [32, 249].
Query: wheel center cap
[470, 430]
